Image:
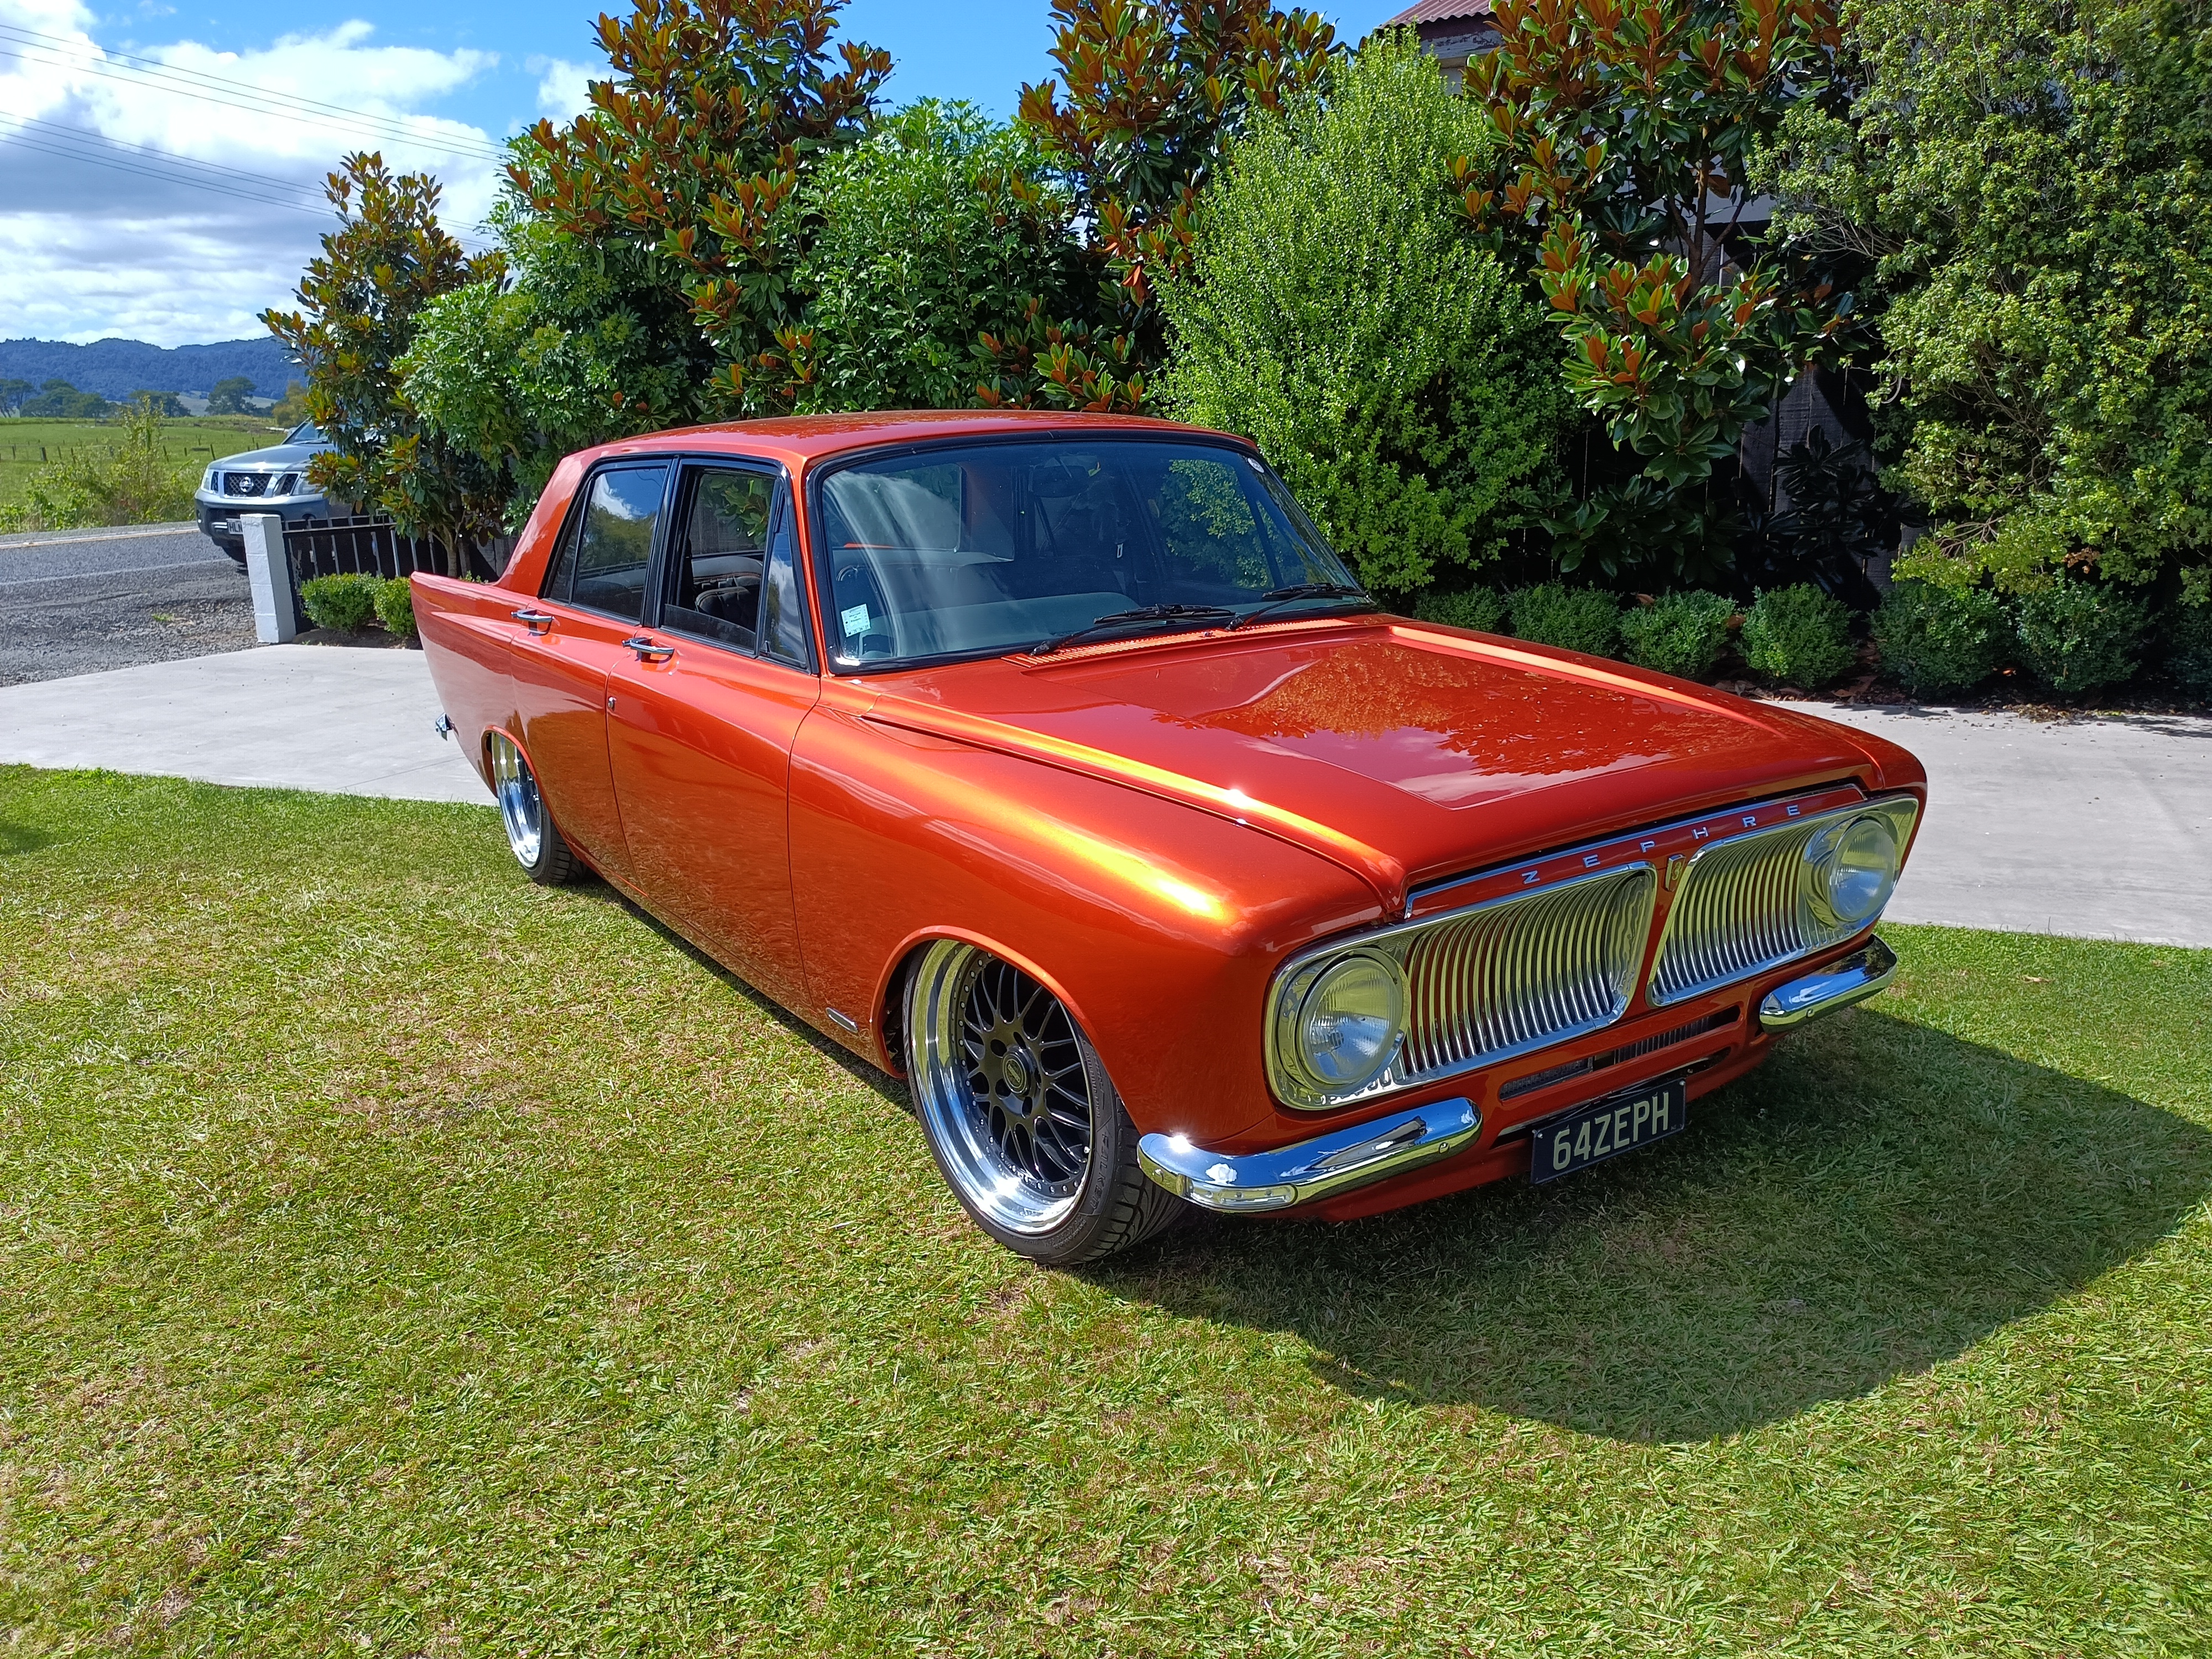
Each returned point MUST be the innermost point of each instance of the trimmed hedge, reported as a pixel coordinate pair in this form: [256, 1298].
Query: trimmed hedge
[1481, 608]
[395, 607]
[341, 602]
[1798, 636]
[1572, 618]
[2078, 636]
[1680, 634]
[2189, 650]
[1940, 639]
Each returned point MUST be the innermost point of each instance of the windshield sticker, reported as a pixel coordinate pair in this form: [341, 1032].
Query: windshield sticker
[855, 618]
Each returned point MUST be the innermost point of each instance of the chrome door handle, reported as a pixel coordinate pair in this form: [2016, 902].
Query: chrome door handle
[538, 622]
[648, 650]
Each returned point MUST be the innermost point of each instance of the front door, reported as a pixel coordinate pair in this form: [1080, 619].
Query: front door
[701, 722]
[594, 600]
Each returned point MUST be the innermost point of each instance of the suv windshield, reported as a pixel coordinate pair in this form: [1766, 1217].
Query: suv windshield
[305, 433]
[1021, 542]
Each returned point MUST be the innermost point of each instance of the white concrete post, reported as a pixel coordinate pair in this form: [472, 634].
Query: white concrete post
[273, 620]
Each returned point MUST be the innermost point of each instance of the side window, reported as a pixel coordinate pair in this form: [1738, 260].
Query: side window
[783, 612]
[605, 571]
[713, 591]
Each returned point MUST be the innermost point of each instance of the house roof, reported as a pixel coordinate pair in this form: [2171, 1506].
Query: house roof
[1441, 11]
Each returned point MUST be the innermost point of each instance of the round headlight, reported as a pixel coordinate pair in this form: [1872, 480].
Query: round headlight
[1859, 872]
[1348, 1022]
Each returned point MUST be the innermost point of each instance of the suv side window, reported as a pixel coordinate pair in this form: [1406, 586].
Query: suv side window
[602, 567]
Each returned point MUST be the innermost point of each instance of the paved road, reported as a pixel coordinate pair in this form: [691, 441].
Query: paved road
[2099, 828]
[79, 601]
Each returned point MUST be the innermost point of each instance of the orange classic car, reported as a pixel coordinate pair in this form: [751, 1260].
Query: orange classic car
[1056, 764]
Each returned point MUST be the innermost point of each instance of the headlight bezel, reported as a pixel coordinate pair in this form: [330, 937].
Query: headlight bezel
[1828, 857]
[1294, 1011]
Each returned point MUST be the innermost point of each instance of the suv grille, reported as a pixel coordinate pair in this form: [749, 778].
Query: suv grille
[245, 483]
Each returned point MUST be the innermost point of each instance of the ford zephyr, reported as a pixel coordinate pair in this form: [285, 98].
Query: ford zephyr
[1056, 764]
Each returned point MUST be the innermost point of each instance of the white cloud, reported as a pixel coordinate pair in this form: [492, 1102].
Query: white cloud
[563, 88]
[98, 239]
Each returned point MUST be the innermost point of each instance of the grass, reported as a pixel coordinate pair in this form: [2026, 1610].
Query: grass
[397, 1258]
[188, 439]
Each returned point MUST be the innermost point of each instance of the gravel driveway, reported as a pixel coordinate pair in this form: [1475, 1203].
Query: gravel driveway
[79, 601]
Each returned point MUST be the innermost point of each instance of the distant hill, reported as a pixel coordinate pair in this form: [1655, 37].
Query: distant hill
[115, 368]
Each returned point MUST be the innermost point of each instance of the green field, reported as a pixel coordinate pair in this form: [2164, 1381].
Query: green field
[194, 441]
[396, 1258]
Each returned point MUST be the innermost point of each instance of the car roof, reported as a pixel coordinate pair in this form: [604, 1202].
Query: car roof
[807, 438]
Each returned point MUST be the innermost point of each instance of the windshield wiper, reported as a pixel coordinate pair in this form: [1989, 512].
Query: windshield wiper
[1283, 596]
[1149, 613]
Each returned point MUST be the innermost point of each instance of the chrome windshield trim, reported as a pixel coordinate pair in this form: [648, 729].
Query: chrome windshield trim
[1306, 1170]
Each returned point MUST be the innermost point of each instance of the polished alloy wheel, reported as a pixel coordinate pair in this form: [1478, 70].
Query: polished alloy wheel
[1002, 1079]
[520, 808]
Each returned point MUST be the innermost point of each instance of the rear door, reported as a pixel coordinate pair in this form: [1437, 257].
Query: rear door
[701, 723]
[593, 601]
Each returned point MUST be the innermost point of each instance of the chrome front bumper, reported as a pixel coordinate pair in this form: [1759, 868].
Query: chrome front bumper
[1310, 1169]
[1381, 1147]
[1850, 979]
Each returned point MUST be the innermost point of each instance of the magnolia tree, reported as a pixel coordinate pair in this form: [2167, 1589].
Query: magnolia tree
[359, 302]
[1626, 135]
[692, 157]
[1155, 91]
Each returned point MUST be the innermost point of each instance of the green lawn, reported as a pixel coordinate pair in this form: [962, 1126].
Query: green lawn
[194, 441]
[397, 1258]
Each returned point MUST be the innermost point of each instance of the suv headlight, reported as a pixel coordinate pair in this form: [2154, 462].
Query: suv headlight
[282, 483]
[207, 480]
[1339, 1023]
[1854, 871]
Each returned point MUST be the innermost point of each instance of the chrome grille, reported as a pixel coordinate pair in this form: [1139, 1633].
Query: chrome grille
[1499, 979]
[244, 483]
[1745, 905]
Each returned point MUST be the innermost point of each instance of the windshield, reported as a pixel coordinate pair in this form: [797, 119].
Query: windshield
[305, 433]
[1008, 545]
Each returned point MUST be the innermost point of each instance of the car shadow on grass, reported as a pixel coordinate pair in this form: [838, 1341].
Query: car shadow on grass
[1879, 1199]
[21, 838]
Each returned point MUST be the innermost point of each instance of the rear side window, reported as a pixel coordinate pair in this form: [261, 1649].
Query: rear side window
[602, 565]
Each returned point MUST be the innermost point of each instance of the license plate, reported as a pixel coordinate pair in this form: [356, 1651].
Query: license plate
[1619, 1123]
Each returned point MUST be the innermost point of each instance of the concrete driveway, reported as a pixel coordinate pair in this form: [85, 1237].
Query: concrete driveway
[2100, 828]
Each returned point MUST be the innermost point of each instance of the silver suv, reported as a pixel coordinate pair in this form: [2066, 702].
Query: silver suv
[271, 480]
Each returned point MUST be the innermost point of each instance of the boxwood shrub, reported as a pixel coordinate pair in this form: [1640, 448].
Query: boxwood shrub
[1680, 634]
[1482, 609]
[1940, 639]
[1573, 619]
[2188, 649]
[395, 607]
[1798, 636]
[343, 602]
[2078, 636]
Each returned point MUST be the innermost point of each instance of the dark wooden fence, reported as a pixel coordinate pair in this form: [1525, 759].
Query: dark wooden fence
[373, 547]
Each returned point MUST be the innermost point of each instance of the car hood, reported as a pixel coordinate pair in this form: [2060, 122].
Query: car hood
[277, 456]
[1406, 752]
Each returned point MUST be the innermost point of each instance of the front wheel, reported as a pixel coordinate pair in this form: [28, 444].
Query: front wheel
[1020, 1115]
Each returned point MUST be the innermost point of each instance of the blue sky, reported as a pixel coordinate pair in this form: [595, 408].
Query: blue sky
[159, 164]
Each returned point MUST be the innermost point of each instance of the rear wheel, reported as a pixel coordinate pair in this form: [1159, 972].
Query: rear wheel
[530, 833]
[1020, 1115]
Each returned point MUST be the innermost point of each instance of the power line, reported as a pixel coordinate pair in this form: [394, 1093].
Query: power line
[147, 164]
[188, 84]
[62, 131]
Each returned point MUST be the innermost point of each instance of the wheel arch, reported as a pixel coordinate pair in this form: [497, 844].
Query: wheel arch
[892, 987]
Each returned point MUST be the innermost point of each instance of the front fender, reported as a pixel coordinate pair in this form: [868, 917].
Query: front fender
[1157, 925]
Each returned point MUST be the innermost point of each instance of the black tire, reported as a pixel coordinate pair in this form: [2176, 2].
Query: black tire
[1024, 1190]
[531, 836]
